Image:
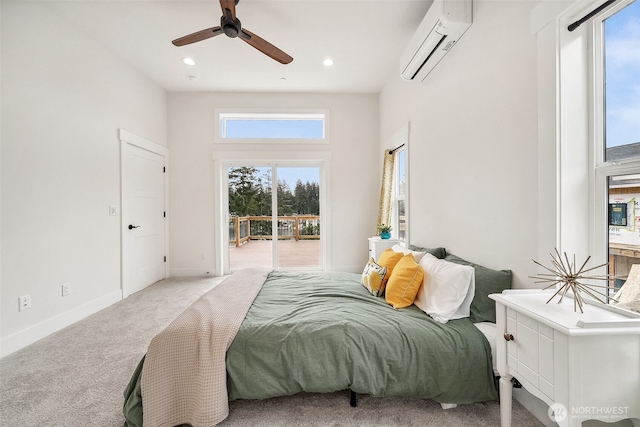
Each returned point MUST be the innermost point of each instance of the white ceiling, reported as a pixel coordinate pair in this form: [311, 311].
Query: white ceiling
[365, 38]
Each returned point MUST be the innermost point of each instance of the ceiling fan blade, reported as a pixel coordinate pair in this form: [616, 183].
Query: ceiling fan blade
[229, 5]
[198, 36]
[265, 47]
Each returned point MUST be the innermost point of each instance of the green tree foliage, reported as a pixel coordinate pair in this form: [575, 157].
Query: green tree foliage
[307, 198]
[285, 199]
[247, 192]
[250, 195]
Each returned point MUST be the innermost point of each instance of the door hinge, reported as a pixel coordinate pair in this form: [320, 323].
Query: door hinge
[165, 258]
[164, 214]
[164, 169]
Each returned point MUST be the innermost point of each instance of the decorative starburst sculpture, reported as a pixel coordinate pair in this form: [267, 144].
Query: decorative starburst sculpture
[565, 272]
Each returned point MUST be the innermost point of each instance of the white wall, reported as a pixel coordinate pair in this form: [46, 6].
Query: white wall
[355, 184]
[473, 143]
[63, 99]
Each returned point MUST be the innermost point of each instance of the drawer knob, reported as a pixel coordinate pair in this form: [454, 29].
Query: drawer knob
[508, 337]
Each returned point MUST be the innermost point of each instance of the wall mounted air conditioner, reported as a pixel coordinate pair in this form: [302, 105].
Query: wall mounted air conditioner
[442, 26]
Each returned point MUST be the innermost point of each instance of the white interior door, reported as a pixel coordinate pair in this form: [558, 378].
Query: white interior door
[143, 218]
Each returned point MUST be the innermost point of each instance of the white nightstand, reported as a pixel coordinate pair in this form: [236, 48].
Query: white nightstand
[378, 245]
[583, 365]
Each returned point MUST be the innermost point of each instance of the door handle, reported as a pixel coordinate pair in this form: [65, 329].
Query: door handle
[131, 227]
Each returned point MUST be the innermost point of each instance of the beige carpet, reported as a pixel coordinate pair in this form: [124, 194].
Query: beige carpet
[76, 377]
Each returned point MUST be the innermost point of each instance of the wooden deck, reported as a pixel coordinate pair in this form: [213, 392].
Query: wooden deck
[291, 253]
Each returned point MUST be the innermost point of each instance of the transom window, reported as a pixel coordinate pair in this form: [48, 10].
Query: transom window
[310, 127]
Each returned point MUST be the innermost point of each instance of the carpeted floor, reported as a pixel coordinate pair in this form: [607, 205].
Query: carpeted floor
[76, 377]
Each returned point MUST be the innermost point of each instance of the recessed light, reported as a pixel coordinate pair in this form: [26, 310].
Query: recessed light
[327, 62]
[189, 61]
[283, 79]
[193, 78]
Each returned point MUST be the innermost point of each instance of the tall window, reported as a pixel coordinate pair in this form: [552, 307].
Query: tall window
[399, 194]
[616, 60]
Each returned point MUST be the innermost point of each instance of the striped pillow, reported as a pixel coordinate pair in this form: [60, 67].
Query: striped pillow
[373, 277]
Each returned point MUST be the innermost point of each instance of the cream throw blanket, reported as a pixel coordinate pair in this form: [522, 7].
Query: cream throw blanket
[184, 378]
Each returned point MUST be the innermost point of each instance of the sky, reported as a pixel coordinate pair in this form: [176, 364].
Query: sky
[290, 175]
[271, 128]
[622, 59]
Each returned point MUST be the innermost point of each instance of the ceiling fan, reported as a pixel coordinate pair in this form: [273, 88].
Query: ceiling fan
[231, 26]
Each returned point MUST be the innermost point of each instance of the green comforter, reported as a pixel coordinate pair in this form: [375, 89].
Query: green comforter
[324, 332]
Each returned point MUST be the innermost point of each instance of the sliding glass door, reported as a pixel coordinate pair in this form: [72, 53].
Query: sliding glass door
[250, 221]
[278, 229]
[298, 217]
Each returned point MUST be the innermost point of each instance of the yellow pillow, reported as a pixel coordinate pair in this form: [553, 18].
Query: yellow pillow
[389, 258]
[404, 283]
[372, 278]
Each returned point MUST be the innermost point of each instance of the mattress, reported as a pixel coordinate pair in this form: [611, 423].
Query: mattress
[490, 332]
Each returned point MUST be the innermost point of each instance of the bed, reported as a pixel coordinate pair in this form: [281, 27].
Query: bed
[305, 332]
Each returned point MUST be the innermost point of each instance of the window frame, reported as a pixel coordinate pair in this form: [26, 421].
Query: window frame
[273, 114]
[400, 141]
[603, 169]
[396, 197]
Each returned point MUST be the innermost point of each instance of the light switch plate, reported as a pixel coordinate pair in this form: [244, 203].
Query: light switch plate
[113, 210]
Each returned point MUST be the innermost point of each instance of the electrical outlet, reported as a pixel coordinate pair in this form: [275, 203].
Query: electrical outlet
[66, 289]
[24, 302]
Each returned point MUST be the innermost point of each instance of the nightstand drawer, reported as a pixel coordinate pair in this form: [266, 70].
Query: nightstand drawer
[530, 353]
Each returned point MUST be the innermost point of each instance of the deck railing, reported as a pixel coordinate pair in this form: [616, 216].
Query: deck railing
[245, 228]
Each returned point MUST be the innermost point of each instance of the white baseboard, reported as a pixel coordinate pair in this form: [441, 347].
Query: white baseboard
[21, 339]
[203, 272]
[192, 272]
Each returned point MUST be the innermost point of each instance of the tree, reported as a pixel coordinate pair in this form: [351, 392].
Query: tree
[250, 194]
[264, 195]
[243, 191]
[285, 199]
[307, 198]
[312, 190]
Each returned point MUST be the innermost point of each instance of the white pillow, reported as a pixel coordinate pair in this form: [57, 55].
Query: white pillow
[416, 255]
[447, 289]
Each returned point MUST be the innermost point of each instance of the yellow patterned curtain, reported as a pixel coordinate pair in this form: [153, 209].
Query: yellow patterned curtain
[384, 210]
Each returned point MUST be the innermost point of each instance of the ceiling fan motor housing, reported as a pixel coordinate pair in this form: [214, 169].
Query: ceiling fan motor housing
[230, 26]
